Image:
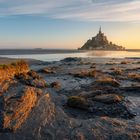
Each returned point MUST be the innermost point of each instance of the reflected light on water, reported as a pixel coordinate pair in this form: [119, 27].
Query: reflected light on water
[94, 54]
[113, 54]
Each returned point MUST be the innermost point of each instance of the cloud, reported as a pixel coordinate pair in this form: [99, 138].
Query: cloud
[86, 10]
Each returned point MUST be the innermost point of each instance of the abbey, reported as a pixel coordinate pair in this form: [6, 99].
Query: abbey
[100, 42]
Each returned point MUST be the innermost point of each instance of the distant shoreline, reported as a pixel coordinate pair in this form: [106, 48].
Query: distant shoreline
[50, 51]
[35, 51]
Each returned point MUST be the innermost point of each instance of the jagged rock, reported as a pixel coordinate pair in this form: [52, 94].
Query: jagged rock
[16, 105]
[17, 98]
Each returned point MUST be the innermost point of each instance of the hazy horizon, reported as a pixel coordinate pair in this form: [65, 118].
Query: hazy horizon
[60, 24]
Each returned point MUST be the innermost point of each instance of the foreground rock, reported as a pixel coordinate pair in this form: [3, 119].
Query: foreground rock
[78, 102]
[107, 81]
[31, 78]
[83, 108]
[19, 94]
[108, 98]
[16, 105]
[111, 105]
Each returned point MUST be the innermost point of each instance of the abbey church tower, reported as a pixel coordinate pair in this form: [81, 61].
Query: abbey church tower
[100, 42]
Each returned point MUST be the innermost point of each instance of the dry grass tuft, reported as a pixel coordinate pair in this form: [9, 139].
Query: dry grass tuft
[134, 76]
[117, 71]
[92, 73]
[108, 81]
[125, 62]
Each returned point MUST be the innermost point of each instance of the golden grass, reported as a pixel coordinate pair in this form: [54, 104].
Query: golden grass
[13, 64]
[125, 62]
[134, 76]
[109, 98]
[91, 73]
[107, 81]
[117, 71]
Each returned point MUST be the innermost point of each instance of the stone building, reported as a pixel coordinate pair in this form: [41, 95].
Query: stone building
[100, 42]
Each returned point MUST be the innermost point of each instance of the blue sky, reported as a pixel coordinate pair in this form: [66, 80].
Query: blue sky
[67, 24]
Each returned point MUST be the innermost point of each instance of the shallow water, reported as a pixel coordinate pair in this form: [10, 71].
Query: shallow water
[94, 54]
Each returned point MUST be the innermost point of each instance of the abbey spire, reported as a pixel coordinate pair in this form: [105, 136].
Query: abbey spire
[100, 42]
[100, 30]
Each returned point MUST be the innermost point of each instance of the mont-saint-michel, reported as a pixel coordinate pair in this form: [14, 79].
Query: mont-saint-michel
[50, 89]
[100, 42]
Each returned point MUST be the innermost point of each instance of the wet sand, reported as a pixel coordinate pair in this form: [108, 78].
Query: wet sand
[105, 118]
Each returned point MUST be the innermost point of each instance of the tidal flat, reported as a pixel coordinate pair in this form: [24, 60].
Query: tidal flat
[75, 99]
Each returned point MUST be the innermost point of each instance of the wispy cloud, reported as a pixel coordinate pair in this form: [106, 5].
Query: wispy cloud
[87, 10]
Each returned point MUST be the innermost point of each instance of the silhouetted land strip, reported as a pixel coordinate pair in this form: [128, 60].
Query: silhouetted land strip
[35, 51]
[48, 51]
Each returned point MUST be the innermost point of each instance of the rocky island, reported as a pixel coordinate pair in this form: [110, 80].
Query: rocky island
[71, 99]
[100, 42]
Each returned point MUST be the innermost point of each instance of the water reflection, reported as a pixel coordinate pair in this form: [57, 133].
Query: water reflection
[113, 54]
[94, 54]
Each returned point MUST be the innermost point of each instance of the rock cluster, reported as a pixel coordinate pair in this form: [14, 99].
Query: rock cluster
[85, 103]
[111, 105]
[19, 94]
[31, 78]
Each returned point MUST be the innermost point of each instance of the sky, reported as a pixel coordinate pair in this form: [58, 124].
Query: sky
[68, 24]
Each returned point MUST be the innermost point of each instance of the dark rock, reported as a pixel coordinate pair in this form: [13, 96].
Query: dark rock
[77, 102]
[108, 98]
[55, 84]
[71, 59]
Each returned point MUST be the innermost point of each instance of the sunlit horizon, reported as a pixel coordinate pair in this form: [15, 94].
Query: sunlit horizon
[61, 24]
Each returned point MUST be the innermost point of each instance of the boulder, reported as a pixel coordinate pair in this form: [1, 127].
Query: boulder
[71, 59]
[108, 98]
[77, 102]
[15, 107]
[107, 81]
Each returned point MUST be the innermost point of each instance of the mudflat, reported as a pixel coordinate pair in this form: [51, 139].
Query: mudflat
[83, 99]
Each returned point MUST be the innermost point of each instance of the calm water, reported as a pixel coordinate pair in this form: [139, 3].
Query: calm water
[94, 54]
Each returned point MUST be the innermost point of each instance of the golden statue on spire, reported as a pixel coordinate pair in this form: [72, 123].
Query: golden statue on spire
[100, 30]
